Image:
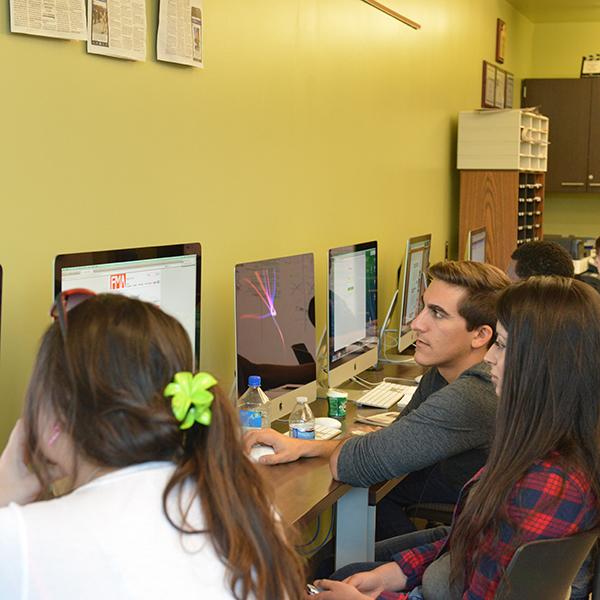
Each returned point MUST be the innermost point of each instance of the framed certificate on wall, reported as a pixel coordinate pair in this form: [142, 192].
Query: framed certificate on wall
[510, 90]
[500, 88]
[488, 85]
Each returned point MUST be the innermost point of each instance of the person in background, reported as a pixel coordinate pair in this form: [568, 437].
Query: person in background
[539, 258]
[164, 503]
[444, 437]
[542, 478]
[546, 258]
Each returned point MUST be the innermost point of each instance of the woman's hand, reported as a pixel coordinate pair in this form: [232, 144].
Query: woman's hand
[17, 483]
[370, 583]
[388, 577]
[338, 590]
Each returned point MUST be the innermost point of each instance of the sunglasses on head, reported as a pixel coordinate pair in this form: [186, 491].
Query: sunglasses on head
[65, 301]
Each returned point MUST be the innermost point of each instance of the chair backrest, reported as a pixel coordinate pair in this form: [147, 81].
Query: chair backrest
[432, 512]
[596, 583]
[545, 568]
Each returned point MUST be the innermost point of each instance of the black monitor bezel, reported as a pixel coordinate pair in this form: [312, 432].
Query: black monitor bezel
[332, 253]
[101, 257]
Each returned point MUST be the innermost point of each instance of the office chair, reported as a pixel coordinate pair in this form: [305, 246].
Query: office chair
[435, 513]
[596, 581]
[546, 568]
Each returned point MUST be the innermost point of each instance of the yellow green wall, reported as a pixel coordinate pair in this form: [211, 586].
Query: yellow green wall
[316, 123]
[557, 52]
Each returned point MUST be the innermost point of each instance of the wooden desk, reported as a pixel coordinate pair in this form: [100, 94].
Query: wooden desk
[306, 488]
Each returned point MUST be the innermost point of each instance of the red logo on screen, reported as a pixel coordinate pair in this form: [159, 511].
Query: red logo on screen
[118, 281]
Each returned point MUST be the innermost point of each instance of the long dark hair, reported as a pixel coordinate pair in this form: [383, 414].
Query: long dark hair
[104, 384]
[550, 401]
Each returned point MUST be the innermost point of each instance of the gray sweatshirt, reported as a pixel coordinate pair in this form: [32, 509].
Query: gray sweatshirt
[450, 424]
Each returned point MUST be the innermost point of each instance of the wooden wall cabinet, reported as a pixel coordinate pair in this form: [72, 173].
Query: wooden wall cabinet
[573, 106]
[510, 204]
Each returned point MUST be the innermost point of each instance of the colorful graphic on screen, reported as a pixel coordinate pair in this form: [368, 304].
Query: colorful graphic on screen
[267, 293]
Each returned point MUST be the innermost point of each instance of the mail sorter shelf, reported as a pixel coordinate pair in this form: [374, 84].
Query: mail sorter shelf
[505, 139]
[510, 204]
[530, 209]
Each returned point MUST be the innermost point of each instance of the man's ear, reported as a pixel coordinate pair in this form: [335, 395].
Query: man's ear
[481, 337]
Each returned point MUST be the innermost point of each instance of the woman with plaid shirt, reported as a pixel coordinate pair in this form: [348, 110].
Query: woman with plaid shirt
[542, 478]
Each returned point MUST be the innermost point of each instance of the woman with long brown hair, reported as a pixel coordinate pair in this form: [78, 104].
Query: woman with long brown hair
[542, 477]
[164, 504]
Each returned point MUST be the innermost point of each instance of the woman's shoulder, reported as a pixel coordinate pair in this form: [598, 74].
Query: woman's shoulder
[553, 499]
[554, 476]
[105, 493]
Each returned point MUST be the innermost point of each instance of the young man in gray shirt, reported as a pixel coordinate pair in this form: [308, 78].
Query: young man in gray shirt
[443, 438]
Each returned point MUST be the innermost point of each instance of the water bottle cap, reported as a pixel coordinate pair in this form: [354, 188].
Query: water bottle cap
[302, 399]
[254, 380]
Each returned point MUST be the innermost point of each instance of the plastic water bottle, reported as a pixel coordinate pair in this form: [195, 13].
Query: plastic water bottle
[302, 421]
[254, 405]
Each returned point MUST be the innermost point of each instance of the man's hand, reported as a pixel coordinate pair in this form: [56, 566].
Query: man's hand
[338, 590]
[17, 483]
[286, 449]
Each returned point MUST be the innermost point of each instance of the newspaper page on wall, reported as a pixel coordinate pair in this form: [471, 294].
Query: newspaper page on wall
[179, 38]
[117, 28]
[51, 18]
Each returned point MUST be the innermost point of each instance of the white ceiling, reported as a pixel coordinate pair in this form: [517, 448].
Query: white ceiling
[542, 11]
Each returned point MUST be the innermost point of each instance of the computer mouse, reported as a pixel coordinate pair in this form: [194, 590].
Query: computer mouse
[259, 450]
[328, 422]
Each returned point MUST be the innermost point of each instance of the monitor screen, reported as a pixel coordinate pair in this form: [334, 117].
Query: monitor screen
[275, 326]
[416, 262]
[476, 243]
[352, 315]
[168, 276]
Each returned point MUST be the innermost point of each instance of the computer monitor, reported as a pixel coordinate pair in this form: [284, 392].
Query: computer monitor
[352, 314]
[168, 276]
[275, 329]
[476, 239]
[416, 261]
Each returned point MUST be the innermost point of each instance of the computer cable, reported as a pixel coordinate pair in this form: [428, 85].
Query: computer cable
[326, 539]
[392, 361]
[314, 537]
[363, 382]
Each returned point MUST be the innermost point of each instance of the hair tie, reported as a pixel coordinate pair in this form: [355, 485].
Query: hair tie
[191, 399]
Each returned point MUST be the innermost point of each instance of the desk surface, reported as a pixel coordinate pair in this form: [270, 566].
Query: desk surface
[305, 488]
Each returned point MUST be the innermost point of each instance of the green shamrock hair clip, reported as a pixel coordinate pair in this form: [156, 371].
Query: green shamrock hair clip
[191, 398]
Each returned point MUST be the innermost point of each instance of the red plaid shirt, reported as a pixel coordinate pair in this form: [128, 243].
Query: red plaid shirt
[548, 502]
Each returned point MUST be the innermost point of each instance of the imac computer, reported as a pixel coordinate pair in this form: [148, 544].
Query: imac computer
[416, 261]
[476, 240]
[352, 314]
[168, 276]
[275, 329]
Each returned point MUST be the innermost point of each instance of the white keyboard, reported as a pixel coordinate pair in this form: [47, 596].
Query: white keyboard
[322, 432]
[386, 394]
